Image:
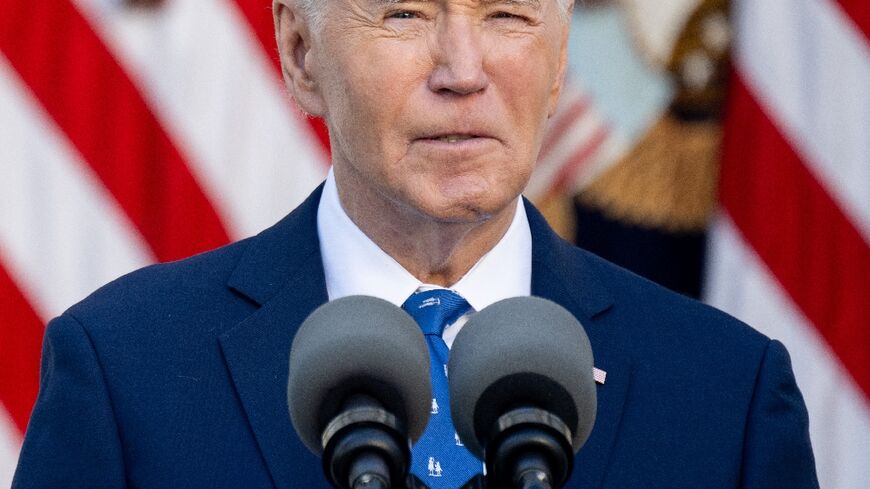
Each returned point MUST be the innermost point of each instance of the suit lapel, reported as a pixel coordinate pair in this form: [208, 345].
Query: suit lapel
[553, 262]
[281, 271]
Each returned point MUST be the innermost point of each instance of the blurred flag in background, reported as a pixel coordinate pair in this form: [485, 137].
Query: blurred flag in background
[130, 132]
[134, 131]
[790, 251]
[788, 121]
[648, 210]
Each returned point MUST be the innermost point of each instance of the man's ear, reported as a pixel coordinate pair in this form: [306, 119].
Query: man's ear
[294, 46]
[563, 60]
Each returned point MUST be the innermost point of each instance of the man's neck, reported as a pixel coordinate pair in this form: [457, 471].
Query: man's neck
[435, 252]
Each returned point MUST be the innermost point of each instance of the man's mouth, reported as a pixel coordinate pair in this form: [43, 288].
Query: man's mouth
[453, 138]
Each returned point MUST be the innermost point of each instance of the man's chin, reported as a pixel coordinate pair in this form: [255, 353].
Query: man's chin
[466, 211]
[464, 216]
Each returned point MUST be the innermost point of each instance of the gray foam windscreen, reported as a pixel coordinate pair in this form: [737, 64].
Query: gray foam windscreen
[354, 345]
[523, 351]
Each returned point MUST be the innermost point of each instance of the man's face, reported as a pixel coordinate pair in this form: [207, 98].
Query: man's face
[437, 107]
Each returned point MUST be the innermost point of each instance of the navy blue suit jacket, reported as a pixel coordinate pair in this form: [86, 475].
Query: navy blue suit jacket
[175, 376]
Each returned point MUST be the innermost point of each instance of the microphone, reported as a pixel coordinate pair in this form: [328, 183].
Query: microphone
[359, 390]
[522, 391]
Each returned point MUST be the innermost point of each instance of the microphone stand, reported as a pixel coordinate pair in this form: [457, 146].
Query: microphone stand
[365, 447]
[528, 448]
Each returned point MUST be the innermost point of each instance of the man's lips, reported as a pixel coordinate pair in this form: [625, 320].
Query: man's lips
[453, 137]
[455, 141]
[453, 146]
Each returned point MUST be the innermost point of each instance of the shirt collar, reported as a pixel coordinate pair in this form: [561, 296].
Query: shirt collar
[354, 265]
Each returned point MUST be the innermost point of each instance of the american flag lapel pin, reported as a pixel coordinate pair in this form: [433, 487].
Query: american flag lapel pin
[599, 375]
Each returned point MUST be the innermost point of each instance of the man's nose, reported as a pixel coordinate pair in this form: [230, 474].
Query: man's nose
[459, 59]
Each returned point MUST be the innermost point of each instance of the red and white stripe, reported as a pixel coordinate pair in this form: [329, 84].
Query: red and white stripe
[214, 88]
[791, 252]
[60, 237]
[134, 135]
[577, 147]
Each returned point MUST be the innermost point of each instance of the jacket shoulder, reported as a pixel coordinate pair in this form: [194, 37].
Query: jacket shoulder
[671, 309]
[160, 292]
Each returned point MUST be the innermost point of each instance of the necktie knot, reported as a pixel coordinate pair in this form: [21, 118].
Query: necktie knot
[435, 309]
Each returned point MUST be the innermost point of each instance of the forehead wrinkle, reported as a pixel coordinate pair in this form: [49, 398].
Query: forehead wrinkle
[399, 2]
[536, 4]
[528, 3]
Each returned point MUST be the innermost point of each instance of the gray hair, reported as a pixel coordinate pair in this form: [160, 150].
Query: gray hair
[313, 11]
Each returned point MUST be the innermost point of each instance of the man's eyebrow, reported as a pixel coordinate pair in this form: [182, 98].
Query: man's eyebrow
[536, 4]
[398, 2]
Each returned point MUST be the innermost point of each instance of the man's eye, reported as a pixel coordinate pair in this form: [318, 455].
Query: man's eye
[507, 16]
[403, 14]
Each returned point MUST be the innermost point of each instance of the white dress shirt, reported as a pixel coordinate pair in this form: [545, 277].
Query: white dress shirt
[354, 265]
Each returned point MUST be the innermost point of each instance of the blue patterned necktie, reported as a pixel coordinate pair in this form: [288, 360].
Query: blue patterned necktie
[439, 459]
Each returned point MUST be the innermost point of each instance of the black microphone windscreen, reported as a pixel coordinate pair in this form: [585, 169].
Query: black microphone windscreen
[358, 345]
[521, 352]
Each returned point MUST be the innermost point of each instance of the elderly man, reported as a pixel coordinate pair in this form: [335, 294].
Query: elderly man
[175, 375]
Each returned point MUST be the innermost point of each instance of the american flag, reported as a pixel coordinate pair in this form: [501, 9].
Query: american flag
[790, 251]
[141, 131]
